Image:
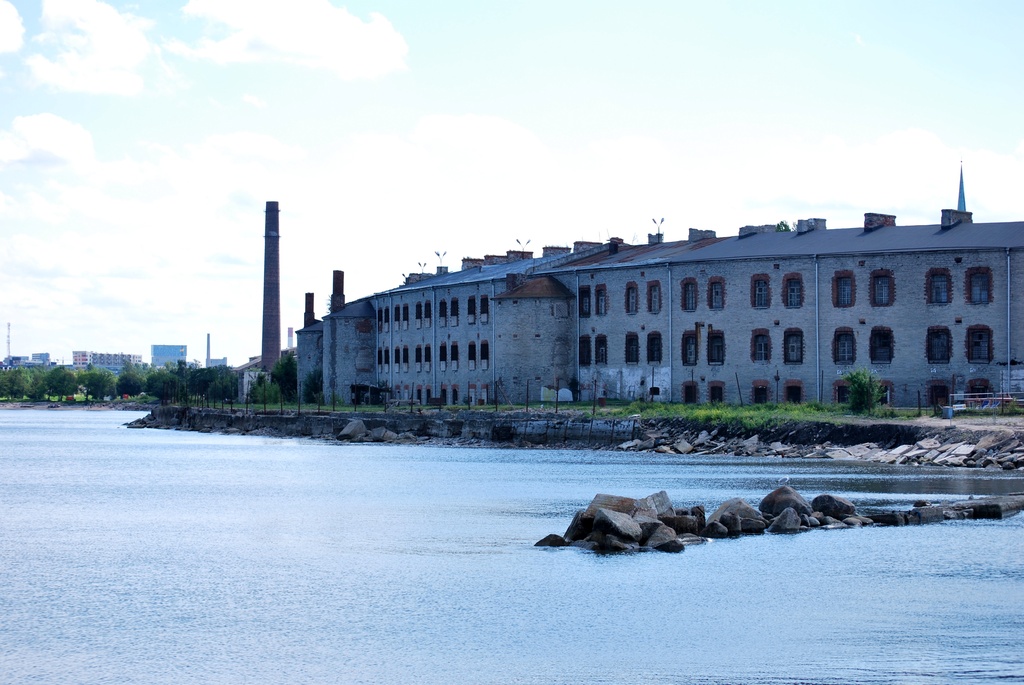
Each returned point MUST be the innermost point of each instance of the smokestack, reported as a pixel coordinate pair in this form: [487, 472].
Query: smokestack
[291, 338]
[338, 291]
[271, 290]
[309, 316]
[207, 350]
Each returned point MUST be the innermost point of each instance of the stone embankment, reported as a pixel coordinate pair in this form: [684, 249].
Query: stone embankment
[896, 444]
[612, 523]
[888, 443]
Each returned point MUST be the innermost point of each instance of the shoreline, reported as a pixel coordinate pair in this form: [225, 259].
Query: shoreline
[999, 446]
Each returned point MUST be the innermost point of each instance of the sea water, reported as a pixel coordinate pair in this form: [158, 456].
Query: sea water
[148, 556]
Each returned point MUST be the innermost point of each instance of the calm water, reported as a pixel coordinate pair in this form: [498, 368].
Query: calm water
[165, 557]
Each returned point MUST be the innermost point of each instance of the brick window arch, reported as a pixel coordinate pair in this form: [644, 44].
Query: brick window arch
[882, 345]
[716, 292]
[632, 298]
[844, 346]
[654, 348]
[632, 348]
[939, 345]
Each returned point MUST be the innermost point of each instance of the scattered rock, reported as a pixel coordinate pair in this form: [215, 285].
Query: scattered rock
[784, 497]
[788, 521]
[833, 505]
[553, 540]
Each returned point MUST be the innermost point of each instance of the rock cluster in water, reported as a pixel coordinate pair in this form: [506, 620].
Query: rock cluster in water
[612, 523]
[995, 451]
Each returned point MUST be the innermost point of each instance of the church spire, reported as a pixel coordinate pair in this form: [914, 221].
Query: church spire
[961, 204]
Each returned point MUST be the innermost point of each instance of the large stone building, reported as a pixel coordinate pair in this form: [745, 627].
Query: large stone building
[763, 316]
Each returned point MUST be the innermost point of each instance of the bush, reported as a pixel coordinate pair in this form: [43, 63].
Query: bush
[865, 391]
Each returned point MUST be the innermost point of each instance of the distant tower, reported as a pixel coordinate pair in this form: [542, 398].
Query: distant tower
[207, 350]
[961, 204]
[271, 291]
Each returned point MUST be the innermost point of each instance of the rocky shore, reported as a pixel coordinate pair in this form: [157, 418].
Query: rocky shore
[934, 443]
[613, 523]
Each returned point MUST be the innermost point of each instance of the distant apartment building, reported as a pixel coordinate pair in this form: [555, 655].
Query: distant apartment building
[114, 361]
[168, 353]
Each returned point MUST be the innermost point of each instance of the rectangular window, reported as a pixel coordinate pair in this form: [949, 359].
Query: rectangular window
[794, 353]
[653, 298]
[845, 350]
[881, 291]
[690, 349]
[979, 346]
[762, 348]
[485, 308]
[632, 348]
[716, 295]
[881, 347]
[979, 288]
[760, 293]
[690, 296]
[844, 291]
[794, 292]
[654, 348]
[716, 348]
[631, 299]
[601, 350]
[601, 300]
[585, 301]
[584, 350]
[938, 347]
[938, 289]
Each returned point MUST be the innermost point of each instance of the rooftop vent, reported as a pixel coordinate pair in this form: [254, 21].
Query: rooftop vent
[655, 238]
[697, 234]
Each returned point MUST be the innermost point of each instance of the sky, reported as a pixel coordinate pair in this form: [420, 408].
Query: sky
[140, 141]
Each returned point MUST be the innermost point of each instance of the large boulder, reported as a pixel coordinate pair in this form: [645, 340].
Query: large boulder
[833, 505]
[737, 506]
[618, 524]
[714, 530]
[683, 524]
[579, 528]
[658, 503]
[553, 540]
[782, 498]
[788, 521]
[353, 430]
[660, 536]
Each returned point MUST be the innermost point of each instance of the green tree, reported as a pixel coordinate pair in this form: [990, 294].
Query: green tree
[162, 384]
[783, 227]
[313, 386]
[61, 381]
[98, 382]
[264, 391]
[130, 381]
[865, 390]
[285, 375]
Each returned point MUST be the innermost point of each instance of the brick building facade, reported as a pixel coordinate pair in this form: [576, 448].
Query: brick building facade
[760, 317]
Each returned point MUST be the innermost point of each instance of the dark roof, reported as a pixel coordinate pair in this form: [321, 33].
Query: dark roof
[358, 309]
[540, 287]
[886, 239]
[315, 327]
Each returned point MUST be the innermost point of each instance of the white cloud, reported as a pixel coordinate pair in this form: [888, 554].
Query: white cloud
[90, 47]
[256, 102]
[45, 139]
[309, 33]
[12, 31]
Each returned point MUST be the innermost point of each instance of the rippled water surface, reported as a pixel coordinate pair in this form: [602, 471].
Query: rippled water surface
[149, 556]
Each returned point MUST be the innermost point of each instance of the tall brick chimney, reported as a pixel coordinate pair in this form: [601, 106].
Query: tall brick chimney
[309, 316]
[271, 350]
[338, 291]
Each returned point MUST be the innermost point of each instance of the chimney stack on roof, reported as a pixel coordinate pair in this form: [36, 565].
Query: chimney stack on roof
[471, 262]
[697, 234]
[808, 225]
[873, 221]
[954, 217]
[338, 291]
[309, 316]
[555, 251]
